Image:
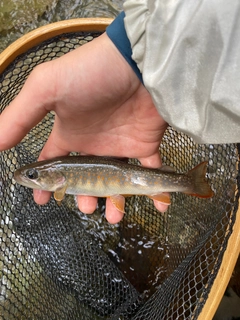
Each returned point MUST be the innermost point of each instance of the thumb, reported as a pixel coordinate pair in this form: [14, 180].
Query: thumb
[51, 149]
[25, 111]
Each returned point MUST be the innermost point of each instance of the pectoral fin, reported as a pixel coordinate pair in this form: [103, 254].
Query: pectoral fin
[119, 202]
[162, 197]
[60, 193]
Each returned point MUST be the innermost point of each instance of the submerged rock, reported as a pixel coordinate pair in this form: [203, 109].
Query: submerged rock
[17, 14]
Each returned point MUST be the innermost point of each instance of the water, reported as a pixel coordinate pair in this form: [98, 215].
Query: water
[140, 256]
[17, 17]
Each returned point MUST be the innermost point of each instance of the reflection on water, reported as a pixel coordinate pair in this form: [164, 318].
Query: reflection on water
[22, 16]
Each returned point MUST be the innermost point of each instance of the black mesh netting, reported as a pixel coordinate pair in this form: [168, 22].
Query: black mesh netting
[57, 263]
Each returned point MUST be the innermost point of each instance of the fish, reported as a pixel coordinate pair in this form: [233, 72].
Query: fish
[111, 178]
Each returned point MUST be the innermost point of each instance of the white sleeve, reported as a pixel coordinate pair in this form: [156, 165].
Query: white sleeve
[189, 55]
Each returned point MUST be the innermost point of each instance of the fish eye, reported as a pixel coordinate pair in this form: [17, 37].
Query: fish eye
[32, 174]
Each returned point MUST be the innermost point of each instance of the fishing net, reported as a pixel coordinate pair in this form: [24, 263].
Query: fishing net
[57, 263]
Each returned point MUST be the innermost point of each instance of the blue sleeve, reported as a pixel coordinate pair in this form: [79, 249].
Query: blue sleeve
[117, 33]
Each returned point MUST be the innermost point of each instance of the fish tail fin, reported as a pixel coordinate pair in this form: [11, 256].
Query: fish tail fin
[201, 188]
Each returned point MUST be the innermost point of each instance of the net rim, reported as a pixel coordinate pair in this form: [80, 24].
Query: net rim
[48, 31]
[225, 271]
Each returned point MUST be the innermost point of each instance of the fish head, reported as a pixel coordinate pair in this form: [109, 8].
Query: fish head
[43, 177]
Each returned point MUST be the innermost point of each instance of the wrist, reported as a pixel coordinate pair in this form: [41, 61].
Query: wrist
[117, 34]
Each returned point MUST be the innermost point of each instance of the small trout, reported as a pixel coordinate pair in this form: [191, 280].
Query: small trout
[109, 177]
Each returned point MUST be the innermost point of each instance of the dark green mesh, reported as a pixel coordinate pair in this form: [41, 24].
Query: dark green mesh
[57, 263]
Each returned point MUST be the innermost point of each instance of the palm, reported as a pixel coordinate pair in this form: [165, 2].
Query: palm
[128, 130]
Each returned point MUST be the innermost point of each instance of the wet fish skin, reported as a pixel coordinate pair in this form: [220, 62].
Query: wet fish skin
[109, 177]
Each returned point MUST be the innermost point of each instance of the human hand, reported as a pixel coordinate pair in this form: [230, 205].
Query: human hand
[101, 109]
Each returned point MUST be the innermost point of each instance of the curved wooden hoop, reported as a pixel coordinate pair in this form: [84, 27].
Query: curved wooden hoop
[224, 274]
[46, 32]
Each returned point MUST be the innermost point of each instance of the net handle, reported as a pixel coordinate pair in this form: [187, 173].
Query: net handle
[46, 32]
[224, 274]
